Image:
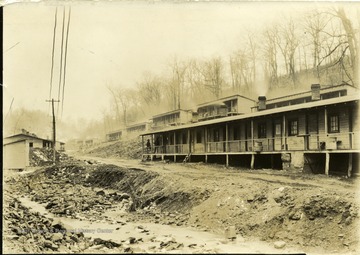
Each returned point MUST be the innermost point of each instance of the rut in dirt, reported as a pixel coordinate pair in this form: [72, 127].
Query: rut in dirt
[146, 188]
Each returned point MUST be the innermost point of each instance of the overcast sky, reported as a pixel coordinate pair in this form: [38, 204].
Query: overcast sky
[115, 43]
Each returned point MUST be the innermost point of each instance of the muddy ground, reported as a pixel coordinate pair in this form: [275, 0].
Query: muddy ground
[98, 205]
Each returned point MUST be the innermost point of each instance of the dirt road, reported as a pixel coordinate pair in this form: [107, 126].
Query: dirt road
[198, 208]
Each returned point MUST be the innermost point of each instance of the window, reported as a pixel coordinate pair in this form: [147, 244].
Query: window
[293, 127]
[334, 124]
[262, 130]
[277, 129]
[31, 145]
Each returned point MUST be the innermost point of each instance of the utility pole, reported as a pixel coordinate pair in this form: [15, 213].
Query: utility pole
[54, 127]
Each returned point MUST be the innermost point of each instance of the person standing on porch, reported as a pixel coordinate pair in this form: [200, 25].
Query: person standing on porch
[148, 146]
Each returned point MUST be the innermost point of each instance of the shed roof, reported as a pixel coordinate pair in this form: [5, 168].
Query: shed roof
[290, 108]
[17, 141]
[27, 136]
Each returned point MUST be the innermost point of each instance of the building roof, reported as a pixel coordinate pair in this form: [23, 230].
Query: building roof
[170, 112]
[213, 103]
[17, 141]
[114, 132]
[23, 134]
[314, 104]
[221, 100]
[137, 124]
[32, 136]
[326, 89]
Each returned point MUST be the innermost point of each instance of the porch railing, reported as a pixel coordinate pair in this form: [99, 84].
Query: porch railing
[216, 146]
[333, 141]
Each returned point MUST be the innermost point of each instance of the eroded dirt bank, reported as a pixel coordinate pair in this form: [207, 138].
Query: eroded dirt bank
[290, 212]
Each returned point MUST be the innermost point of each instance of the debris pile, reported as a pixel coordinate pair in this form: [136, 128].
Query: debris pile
[44, 156]
[121, 149]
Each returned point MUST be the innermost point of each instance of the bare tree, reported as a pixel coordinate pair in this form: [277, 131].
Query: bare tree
[242, 71]
[125, 98]
[178, 70]
[115, 102]
[270, 56]
[353, 45]
[315, 25]
[235, 72]
[150, 91]
[213, 72]
[253, 49]
[288, 41]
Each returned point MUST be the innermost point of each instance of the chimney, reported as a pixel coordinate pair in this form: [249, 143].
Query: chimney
[315, 92]
[262, 103]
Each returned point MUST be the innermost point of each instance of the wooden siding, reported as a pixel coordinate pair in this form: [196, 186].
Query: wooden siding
[16, 155]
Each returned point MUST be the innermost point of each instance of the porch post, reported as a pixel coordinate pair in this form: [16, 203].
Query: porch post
[175, 145]
[205, 139]
[252, 135]
[325, 120]
[142, 144]
[327, 162]
[162, 143]
[284, 133]
[350, 165]
[350, 127]
[226, 137]
[152, 143]
[252, 164]
[306, 137]
[188, 141]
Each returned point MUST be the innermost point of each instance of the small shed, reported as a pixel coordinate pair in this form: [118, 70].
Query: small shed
[16, 149]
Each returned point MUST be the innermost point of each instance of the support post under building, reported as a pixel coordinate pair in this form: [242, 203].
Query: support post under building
[327, 162]
[252, 164]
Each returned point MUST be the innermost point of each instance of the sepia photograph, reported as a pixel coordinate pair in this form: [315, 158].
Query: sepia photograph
[183, 127]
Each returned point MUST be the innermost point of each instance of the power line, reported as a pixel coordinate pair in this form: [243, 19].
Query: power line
[52, 54]
[61, 57]
[54, 128]
[11, 47]
[66, 46]
[8, 111]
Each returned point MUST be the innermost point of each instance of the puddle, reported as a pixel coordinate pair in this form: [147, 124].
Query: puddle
[150, 235]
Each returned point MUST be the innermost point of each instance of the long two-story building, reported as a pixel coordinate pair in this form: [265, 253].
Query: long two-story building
[318, 132]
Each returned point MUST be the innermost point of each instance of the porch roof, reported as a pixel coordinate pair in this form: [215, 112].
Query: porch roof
[332, 101]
